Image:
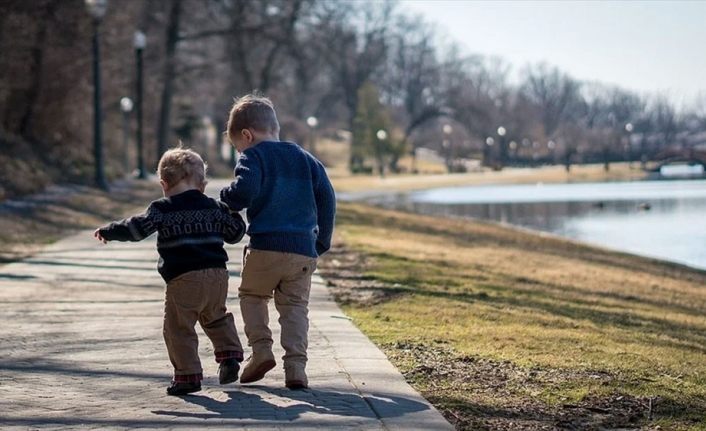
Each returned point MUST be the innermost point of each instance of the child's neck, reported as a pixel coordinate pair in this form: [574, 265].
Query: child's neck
[262, 137]
[180, 187]
[257, 138]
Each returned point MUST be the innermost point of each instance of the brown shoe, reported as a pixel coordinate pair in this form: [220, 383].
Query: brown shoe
[257, 366]
[295, 377]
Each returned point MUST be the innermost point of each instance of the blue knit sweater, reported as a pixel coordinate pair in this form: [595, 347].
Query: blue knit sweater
[289, 199]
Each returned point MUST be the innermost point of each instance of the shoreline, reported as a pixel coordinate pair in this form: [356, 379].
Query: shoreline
[385, 199]
[543, 174]
[543, 234]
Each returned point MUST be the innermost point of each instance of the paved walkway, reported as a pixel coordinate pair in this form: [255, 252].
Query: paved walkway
[81, 348]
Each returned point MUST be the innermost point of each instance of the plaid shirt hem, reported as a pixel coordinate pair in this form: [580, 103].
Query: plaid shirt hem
[188, 378]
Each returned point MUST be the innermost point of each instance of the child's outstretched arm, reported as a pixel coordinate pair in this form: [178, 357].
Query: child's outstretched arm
[135, 228]
[246, 186]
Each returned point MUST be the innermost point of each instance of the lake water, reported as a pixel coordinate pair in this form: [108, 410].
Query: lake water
[661, 219]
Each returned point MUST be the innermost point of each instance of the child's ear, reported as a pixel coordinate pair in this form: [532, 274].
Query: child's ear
[203, 186]
[164, 185]
[247, 135]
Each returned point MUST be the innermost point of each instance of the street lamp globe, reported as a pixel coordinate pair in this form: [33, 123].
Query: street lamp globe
[97, 8]
[381, 135]
[139, 41]
[501, 131]
[447, 129]
[489, 141]
[126, 104]
[272, 10]
[629, 127]
[312, 122]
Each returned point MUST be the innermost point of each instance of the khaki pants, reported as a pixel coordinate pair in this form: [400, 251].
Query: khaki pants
[287, 278]
[198, 296]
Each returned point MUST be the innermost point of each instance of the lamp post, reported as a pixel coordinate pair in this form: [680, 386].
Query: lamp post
[513, 151]
[312, 122]
[610, 141]
[139, 42]
[628, 130]
[489, 142]
[97, 9]
[503, 148]
[381, 135]
[448, 147]
[126, 107]
[551, 145]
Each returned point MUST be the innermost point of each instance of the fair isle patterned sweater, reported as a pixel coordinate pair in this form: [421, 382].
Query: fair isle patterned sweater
[191, 228]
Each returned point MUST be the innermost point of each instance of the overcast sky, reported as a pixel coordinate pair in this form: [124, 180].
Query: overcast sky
[647, 46]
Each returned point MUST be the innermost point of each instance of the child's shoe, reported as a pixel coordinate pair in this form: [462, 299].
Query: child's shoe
[295, 376]
[183, 388]
[258, 365]
[228, 371]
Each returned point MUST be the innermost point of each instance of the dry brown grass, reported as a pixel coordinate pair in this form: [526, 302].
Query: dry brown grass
[598, 325]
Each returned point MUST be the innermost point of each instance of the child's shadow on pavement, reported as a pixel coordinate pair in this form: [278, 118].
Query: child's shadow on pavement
[290, 405]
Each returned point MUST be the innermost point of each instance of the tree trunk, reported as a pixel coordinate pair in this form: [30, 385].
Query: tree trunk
[37, 70]
[169, 75]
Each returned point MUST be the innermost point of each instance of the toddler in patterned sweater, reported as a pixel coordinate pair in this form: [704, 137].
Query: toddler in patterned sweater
[191, 228]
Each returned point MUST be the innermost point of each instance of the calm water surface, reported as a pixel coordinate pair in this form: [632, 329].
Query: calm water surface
[662, 219]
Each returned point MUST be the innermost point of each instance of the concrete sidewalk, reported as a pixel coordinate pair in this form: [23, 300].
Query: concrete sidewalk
[81, 348]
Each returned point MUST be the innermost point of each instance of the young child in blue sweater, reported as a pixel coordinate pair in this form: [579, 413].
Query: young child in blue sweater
[290, 208]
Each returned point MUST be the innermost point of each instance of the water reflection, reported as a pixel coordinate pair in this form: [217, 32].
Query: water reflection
[666, 220]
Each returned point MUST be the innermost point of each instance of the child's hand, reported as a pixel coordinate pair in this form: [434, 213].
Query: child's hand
[98, 236]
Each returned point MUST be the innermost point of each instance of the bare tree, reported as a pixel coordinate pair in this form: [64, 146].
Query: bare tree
[479, 97]
[554, 92]
[172, 38]
[664, 121]
[354, 44]
[411, 77]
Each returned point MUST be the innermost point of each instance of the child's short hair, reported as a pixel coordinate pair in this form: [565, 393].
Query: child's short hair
[179, 163]
[252, 111]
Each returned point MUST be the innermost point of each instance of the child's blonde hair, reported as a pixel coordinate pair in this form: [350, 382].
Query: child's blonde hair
[180, 163]
[252, 111]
